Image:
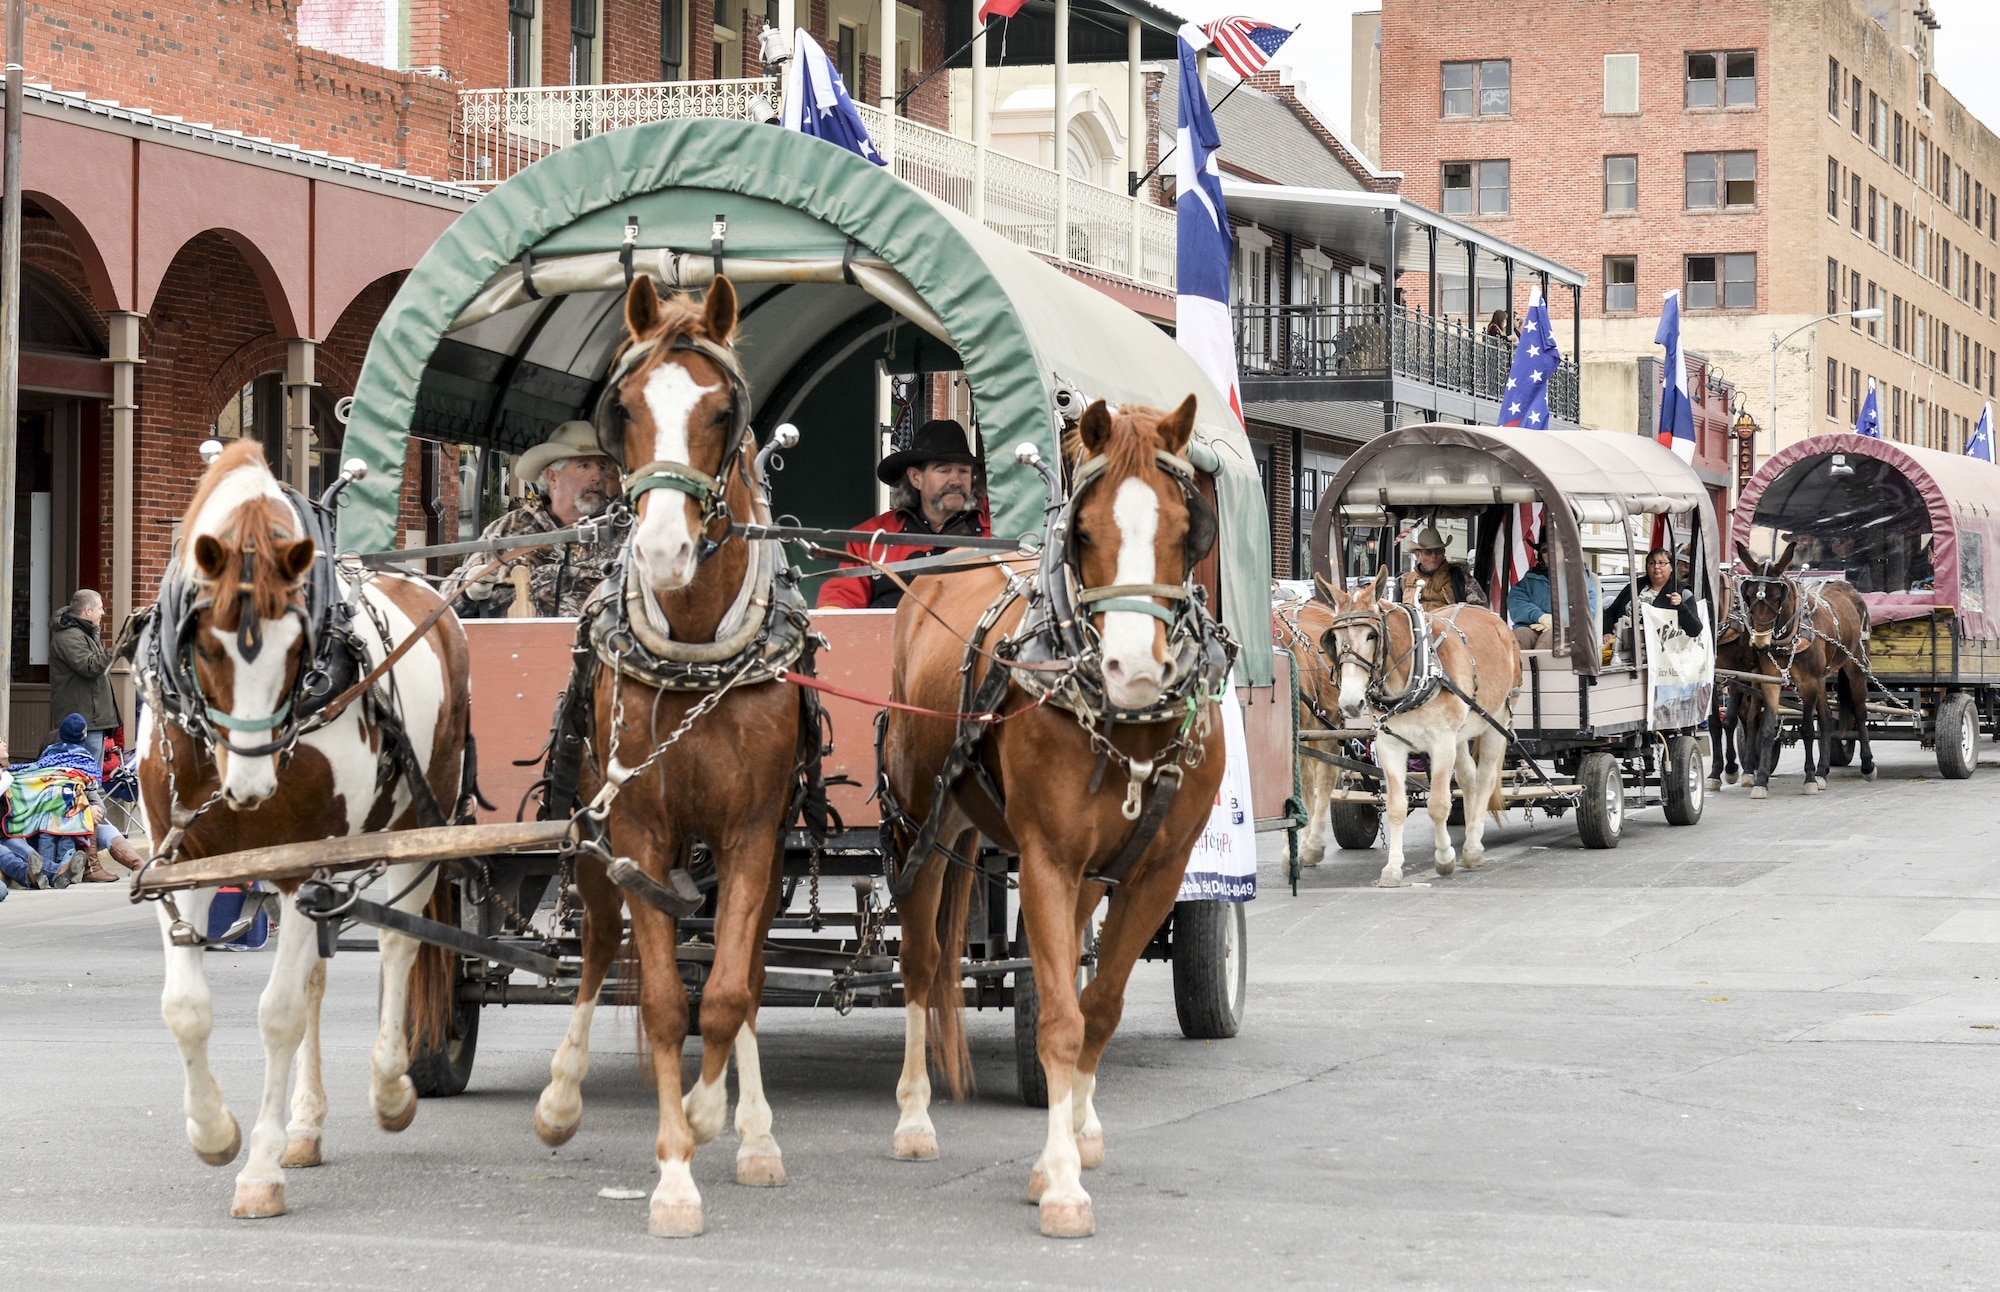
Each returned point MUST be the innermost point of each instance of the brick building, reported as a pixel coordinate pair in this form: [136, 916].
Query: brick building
[1776, 161]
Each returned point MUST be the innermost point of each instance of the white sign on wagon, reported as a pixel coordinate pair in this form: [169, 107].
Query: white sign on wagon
[1680, 670]
[1223, 865]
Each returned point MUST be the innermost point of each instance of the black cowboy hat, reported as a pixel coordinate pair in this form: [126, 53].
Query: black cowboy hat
[938, 440]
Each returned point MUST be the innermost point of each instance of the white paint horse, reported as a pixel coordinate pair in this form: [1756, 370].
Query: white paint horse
[221, 728]
[1413, 671]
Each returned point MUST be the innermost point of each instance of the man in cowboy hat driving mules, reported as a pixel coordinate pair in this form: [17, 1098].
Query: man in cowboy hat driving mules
[934, 489]
[1438, 582]
[569, 479]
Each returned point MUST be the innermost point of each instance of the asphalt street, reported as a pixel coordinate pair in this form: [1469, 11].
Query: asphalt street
[1759, 1053]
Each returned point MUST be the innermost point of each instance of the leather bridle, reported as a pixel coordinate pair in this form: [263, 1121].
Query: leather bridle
[1421, 655]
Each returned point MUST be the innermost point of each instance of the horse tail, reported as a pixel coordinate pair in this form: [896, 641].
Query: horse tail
[944, 996]
[629, 971]
[429, 1019]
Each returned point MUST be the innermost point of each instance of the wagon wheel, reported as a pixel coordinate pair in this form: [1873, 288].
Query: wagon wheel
[1027, 1014]
[1843, 750]
[1356, 825]
[1600, 806]
[1211, 965]
[444, 1066]
[1682, 781]
[1957, 736]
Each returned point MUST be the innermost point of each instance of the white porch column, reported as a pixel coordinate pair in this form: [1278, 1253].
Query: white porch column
[299, 385]
[1061, 143]
[1136, 133]
[788, 18]
[981, 124]
[124, 360]
[885, 53]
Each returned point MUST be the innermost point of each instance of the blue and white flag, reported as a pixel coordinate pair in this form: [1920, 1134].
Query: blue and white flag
[1201, 267]
[1525, 403]
[1676, 425]
[1981, 444]
[1869, 420]
[816, 102]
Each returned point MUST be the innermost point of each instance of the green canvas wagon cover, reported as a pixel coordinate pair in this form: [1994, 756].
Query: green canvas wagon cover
[839, 264]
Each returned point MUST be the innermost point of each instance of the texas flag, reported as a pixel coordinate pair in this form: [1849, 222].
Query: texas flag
[1201, 268]
[1676, 426]
[1981, 444]
[1869, 420]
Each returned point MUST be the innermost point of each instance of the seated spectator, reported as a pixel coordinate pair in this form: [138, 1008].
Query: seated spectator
[54, 802]
[106, 835]
[1531, 605]
[20, 864]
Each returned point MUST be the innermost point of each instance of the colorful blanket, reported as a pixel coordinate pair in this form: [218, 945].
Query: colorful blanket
[49, 800]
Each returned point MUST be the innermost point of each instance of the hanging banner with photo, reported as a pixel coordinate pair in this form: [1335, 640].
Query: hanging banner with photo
[1680, 670]
[1223, 865]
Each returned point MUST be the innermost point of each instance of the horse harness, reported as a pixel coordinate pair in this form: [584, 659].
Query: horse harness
[1298, 635]
[1054, 655]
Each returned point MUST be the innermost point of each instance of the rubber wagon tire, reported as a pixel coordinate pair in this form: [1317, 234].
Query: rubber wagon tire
[1211, 967]
[1028, 1071]
[1683, 780]
[1355, 825]
[1957, 737]
[445, 1067]
[1843, 751]
[1600, 809]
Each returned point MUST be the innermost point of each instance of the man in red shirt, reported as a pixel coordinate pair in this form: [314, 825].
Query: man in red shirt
[934, 490]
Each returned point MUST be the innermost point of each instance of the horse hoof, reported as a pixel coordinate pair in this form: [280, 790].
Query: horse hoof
[674, 1220]
[1822, 782]
[1733, 778]
[1091, 1149]
[1038, 1184]
[301, 1150]
[915, 1146]
[1758, 792]
[1389, 881]
[555, 1136]
[1712, 783]
[1868, 775]
[394, 1122]
[1067, 1220]
[760, 1168]
[226, 1155]
[258, 1199]
[1446, 867]
[1472, 863]
[1810, 787]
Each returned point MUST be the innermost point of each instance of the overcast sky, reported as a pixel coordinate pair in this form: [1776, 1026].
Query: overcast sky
[1318, 54]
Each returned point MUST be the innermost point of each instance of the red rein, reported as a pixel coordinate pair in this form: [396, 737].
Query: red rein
[813, 683]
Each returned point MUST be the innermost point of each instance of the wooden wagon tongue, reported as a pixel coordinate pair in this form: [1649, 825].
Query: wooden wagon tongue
[350, 852]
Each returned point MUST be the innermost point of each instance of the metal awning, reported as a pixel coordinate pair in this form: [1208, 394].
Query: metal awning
[1355, 222]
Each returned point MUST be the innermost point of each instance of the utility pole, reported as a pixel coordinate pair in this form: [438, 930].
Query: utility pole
[10, 344]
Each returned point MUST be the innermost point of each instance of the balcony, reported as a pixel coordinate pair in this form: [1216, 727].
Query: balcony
[1338, 352]
[501, 132]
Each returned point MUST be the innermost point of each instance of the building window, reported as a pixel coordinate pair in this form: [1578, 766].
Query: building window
[1896, 324]
[1898, 158]
[670, 40]
[1874, 135]
[1727, 79]
[1621, 284]
[520, 42]
[1833, 188]
[1621, 83]
[1621, 183]
[1722, 282]
[1854, 298]
[1721, 179]
[1874, 229]
[1832, 285]
[1833, 388]
[1833, 88]
[1896, 231]
[1854, 105]
[1484, 89]
[1978, 205]
[1487, 179]
[1854, 203]
[1895, 412]
[846, 45]
[1992, 218]
[1874, 325]
[1853, 393]
[582, 41]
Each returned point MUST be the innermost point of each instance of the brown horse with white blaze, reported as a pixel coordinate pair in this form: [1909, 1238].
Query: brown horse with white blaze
[1057, 808]
[692, 765]
[221, 737]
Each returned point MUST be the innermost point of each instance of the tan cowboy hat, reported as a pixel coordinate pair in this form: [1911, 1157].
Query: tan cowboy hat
[571, 440]
[1427, 539]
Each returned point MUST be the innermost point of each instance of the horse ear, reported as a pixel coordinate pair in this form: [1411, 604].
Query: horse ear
[210, 556]
[1327, 592]
[1095, 426]
[1743, 555]
[1381, 582]
[1784, 560]
[642, 306]
[718, 316]
[294, 559]
[1177, 427]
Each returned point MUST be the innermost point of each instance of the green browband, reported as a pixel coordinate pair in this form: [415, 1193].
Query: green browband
[233, 723]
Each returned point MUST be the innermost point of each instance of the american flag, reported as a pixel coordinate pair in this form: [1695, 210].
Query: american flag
[1246, 43]
[1525, 403]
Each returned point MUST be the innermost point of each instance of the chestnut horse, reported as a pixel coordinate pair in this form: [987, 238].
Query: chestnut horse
[1812, 634]
[222, 736]
[714, 766]
[1301, 626]
[1415, 673]
[1061, 785]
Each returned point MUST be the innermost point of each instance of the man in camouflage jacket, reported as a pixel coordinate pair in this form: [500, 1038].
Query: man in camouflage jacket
[573, 480]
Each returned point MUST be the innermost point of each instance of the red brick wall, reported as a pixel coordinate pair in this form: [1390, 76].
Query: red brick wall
[1558, 133]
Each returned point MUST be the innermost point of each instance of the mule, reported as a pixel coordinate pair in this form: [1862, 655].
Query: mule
[1414, 672]
[222, 736]
[1302, 625]
[1731, 705]
[713, 766]
[1052, 781]
[1810, 634]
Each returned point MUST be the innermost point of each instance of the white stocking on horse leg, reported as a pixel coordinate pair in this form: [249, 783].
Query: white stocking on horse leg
[916, 1139]
[1318, 778]
[707, 1107]
[189, 1012]
[390, 1091]
[1394, 758]
[1481, 774]
[560, 1109]
[281, 1017]
[302, 1135]
[1065, 1206]
[1088, 1130]
[758, 1161]
[1443, 756]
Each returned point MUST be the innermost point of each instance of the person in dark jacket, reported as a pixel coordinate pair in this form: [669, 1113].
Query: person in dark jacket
[1658, 587]
[936, 491]
[79, 670]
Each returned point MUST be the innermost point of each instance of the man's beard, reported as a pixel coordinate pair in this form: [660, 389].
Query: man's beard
[590, 502]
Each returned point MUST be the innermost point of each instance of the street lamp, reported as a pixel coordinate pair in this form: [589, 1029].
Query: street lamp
[1742, 433]
[1869, 315]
